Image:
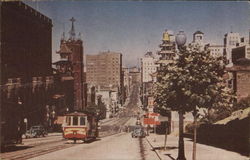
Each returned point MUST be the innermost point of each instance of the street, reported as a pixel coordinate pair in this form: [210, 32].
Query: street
[119, 146]
[115, 141]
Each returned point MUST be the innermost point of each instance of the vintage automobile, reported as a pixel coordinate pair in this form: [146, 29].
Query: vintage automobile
[36, 131]
[138, 132]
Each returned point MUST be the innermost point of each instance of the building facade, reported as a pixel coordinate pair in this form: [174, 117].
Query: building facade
[215, 50]
[148, 67]
[231, 40]
[105, 69]
[27, 84]
[167, 52]
[71, 53]
[198, 39]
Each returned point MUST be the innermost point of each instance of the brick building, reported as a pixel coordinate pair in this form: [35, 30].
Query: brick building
[26, 80]
[105, 69]
[241, 71]
[72, 68]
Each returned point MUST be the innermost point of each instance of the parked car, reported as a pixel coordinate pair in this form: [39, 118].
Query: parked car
[139, 132]
[36, 131]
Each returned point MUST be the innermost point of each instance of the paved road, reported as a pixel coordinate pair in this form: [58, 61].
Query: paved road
[120, 146]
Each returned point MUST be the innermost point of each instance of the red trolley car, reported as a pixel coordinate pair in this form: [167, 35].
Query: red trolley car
[80, 126]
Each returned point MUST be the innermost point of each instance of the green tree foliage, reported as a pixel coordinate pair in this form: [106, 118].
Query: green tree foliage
[194, 80]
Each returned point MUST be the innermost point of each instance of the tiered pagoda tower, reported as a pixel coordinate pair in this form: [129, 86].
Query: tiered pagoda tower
[167, 52]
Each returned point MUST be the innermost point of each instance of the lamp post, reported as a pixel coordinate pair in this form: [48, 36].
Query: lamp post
[180, 41]
[53, 119]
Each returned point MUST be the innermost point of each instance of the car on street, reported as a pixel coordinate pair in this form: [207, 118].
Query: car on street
[138, 132]
[36, 131]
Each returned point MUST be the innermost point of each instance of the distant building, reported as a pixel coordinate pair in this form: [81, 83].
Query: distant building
[135, 75]
[127, 81]
[198, 40]
[240, 71]
[215, 50]
[167, 52]
[231, 40]
[105, 69]
[240, 53]
[106, 100]
[198, 37]
[148, 67]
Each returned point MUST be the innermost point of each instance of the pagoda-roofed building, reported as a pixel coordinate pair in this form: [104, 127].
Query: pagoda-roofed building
[167, 52]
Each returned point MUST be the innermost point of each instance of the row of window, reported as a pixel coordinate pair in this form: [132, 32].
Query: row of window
[75, 121]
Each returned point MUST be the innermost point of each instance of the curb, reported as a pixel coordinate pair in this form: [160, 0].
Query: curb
[158, 155]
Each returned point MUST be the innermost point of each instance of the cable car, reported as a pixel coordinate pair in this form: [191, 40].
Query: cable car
[80, 126]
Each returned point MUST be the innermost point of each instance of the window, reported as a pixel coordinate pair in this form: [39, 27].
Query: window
[82, 120]
[75, 121]
[68, 120]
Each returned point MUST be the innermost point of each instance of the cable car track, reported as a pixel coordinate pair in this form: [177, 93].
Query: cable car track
[42, 148]
[36, 150]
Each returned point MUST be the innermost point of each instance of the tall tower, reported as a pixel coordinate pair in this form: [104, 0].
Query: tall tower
[198, 38]
[72, 50]
[167, 52]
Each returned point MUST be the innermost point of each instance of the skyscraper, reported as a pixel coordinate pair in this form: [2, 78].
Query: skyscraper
[105, 69]
[148, 66]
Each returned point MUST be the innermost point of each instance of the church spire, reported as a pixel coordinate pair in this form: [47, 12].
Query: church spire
[72, 33]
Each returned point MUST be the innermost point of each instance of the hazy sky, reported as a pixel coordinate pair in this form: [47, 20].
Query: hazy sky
[133, 28]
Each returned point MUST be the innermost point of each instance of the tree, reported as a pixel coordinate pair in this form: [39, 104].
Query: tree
[193, 81]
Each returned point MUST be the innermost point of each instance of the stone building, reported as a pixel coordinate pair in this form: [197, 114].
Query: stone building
[215, 50]
[230, 41]
[27, 84]
[105, 69]
[198, 39]
[72, 68]
[148, 67]
[240, 71]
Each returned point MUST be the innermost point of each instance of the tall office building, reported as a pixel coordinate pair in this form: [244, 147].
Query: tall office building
[148, 67]
[231, 40]
[105, 69]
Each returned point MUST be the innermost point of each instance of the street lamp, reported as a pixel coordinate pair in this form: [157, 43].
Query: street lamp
[180, 41]
[53, 119]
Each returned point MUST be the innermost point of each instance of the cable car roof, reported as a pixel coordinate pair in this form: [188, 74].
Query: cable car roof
[76, 114]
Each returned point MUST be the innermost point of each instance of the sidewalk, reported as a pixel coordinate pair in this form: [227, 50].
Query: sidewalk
[204, 152]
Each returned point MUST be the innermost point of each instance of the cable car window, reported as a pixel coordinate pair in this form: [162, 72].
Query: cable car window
[75, 121]
[68, 120]
[82, 120]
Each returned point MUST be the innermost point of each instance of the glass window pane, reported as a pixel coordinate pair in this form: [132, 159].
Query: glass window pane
[68, 120]
[82, 121]
[75, 121]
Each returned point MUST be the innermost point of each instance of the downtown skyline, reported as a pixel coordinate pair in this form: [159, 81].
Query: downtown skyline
[133, 28]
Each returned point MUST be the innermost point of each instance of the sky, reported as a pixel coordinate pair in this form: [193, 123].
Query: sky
[135, 27]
